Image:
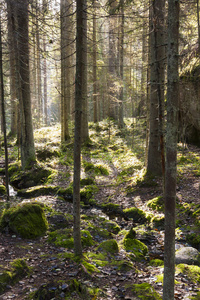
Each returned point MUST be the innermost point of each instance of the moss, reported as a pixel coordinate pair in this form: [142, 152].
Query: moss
[193, 239]
[37, 175]
[87, 181]
[27, 220]
[88, 191]
[96, 169]
[18, 269]
[156, 262]
[100, 259]
[131, 234]
[111, 207]
[44, 154]
[136, 214]
[192, 272]
[137, 249]
[38, 191]
[156, 203]
[110, 226]
[158, 222]
[109, 246]
[2, 190]
[145, 291]
[64, 238]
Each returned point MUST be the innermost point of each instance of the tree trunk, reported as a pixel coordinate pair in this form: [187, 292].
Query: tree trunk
[84, 127]
[95, 98]
[171, 148]
[66, 29]
[157, 78]
[3, 118]
[81, 68]
[121, 67]
[27, 140]
[13, 87]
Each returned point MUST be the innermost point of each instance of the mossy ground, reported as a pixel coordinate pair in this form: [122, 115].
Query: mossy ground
[145, 291]
[17, 270]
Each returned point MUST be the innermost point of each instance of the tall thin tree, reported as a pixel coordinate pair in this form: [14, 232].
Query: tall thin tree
[3, 116]
[171, 148]
[79, 102]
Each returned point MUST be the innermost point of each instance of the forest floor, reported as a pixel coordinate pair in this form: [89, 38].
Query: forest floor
[55, 273]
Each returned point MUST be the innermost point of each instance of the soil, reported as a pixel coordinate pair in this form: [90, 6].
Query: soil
[48, 268]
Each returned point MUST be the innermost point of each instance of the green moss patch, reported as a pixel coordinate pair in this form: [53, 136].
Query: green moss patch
[145, 291]
[136, 214]
[156, 203]
[193, 239]
[64, 238]
[192, 272]
[37, 191]
[18, 269]
[137, 249]
[27, 220]
[156, 262]
[47, 153]
[109, 246]
[158, 222]
[97, 169]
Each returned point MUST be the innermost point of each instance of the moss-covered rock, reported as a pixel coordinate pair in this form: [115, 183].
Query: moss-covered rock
[97, 169]
[28, 178]
[109, 246]
[27, 220]
[18, 269]
[137, 249]
[110, 226]
[136, 214]
[145, 291]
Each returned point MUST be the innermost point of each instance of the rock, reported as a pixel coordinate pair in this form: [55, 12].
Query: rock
[187, 255]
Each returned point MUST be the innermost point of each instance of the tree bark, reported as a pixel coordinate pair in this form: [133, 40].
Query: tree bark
[171, 148]
[95, 98]
[79, 103]
[157, 71]
[4, 119]
[121, 67]
[28, 157]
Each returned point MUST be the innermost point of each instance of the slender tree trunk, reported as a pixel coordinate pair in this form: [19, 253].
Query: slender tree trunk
[157, 56]
[45, 117]
[39, 76]
[13, 88]
[84, 129]
[81, 68]
[121, 67]
[27, 140]
[65, 68]
[198, 22]
[3, 118]
[171, 148]
[95, 98]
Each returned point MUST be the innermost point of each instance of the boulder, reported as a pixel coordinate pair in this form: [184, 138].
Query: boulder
[187, 255]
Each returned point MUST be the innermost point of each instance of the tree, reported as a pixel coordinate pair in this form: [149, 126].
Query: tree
[157, 79]
[66, 29]
[171, 148]
[79, 111]
[3, 118]
[22, 72]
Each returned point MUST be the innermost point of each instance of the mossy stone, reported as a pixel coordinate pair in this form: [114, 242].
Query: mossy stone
[158, 222]
[109, 246]
[111, 226]
[137, 249]
[37, 191]
[156, 262]
[27, 220]
[136, 214]
[194, 240]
